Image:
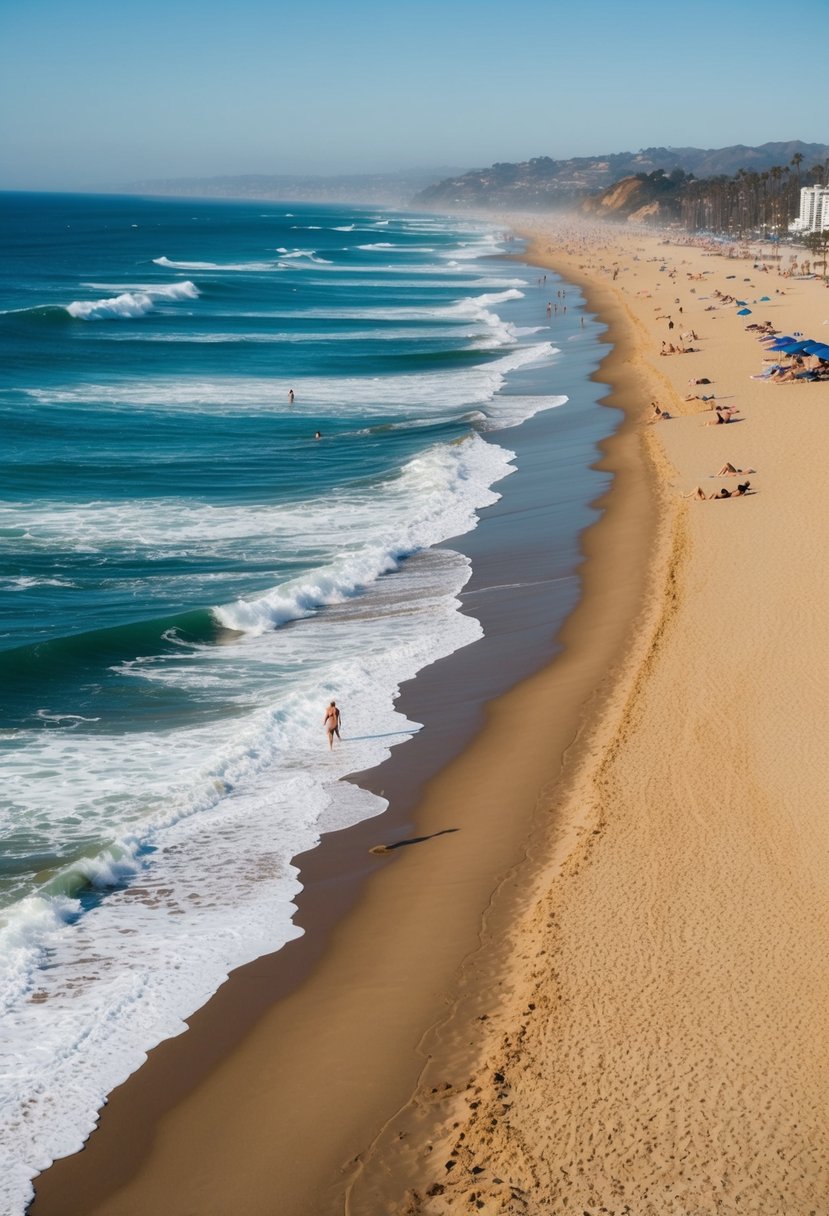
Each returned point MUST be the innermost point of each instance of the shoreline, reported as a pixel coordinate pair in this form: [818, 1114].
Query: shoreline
[633, 557]
[230, 1021]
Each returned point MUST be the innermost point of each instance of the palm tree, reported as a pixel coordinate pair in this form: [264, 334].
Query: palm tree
[797, 161]
[775, 172]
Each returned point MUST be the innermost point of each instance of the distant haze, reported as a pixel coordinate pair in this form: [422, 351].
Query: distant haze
[94, 94]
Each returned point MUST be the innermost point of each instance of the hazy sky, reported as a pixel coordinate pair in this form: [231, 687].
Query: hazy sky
[104, 92]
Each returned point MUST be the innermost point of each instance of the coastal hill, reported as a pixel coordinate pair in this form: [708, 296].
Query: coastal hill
[546, 183]
[642, 198]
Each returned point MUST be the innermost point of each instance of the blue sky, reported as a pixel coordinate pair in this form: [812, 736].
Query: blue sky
[96, 93]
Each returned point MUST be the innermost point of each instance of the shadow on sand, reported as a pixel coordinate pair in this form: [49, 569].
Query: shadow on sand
[401, 844]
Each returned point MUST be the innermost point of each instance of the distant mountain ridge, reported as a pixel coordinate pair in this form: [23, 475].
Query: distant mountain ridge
[544, 182]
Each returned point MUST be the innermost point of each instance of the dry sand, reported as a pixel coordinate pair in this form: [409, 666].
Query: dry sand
[655, 1039]
[611, 996]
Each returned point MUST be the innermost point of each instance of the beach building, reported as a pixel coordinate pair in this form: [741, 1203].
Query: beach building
[814, 210]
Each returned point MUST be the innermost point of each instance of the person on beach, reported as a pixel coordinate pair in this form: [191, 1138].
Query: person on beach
[730, 470]
[723, 493]
[331, 722]
[722, 416]
[290, 396]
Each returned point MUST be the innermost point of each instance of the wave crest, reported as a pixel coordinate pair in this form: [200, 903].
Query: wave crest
[130, 304]
[449, 483]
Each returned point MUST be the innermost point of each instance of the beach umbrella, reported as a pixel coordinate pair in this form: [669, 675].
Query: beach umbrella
[743, 312]
[811, 347]
[793, 348]
[740, 303]
[764, 299]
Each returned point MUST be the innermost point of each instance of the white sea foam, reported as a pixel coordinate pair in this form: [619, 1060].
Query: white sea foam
[488, 244]
[259, 266]
[327, 337]
[512, 410]
[449, 271]
[310, 254]
[148, 527]
[25, 582]
[384, 245]
[471, 308]
[258, 788]
[420, 284]
[134, 302]
[430, 499]
[434, 393]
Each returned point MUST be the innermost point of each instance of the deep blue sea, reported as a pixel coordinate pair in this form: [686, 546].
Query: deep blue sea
[225, 429]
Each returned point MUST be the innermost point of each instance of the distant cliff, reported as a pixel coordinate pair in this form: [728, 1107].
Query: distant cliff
[645, 198]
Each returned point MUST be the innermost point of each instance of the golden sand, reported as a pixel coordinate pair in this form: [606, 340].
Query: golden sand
[655, 1036]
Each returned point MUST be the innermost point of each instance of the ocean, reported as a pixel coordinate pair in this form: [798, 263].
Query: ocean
[236, 437]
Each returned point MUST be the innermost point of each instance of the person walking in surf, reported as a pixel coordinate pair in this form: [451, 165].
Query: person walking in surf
[331, 722]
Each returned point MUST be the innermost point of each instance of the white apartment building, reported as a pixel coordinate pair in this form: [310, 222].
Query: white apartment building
[814, 210]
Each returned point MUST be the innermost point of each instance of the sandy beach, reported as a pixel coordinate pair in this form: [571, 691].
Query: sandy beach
[660, 1044]
[603, 987]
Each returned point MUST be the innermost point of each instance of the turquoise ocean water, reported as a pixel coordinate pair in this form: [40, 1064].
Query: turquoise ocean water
[188, 575]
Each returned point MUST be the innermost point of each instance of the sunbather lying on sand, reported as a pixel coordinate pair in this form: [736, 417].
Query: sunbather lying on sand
[721, 416]
[723, 493]
[729, 470]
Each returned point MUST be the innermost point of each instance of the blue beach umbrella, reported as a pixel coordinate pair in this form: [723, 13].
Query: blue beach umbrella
[743, 312]
[764, 299]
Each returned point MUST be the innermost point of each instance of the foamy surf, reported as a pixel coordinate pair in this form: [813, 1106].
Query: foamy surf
[434, 392]
[187, 594]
